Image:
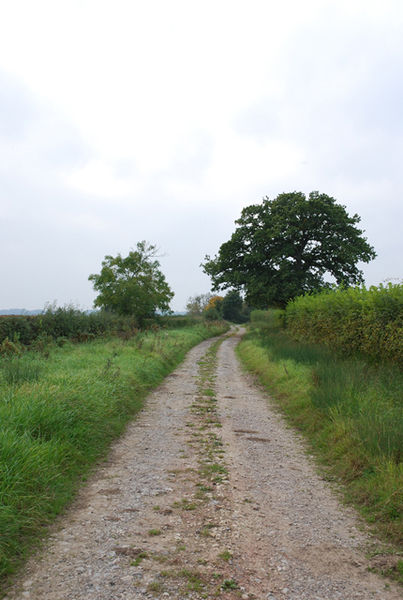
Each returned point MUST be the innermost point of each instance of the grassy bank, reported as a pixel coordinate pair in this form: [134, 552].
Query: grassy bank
[350, 412]
[59, 415]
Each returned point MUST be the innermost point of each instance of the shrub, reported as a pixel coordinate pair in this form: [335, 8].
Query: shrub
[61, 323]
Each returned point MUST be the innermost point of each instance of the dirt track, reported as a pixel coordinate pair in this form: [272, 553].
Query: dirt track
[207, 495]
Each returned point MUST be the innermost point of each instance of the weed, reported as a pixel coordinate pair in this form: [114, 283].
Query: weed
[139, 559]
[189, 506]
[204, 488]
[194, 579]
[205, 530]
[155, 587]
[154, 532]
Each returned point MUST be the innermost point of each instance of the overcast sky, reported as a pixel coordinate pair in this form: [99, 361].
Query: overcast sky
[160, 120]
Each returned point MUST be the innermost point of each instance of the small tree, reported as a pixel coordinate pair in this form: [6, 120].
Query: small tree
[132, 285]
[214, 302]
[213, 309]
[196, 304]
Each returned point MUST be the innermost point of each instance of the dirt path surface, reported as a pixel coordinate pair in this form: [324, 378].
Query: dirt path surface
[207, 495]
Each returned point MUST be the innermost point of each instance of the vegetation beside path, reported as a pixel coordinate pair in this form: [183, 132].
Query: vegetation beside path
[60, 409]
[351, 413]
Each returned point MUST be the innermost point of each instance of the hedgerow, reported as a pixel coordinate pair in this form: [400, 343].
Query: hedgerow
[62, 322]
[351, 321]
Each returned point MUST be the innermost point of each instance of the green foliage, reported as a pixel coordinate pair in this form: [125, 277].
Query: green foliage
[354, 320]
[8, 348]
[350, 411]
[229, 584]
[233, 308]
[20, 369]
[212, 314]
[23, 329]
[283, 248]
[60, 324]
[132, 285]
[178, 321]
[268, 320]
[58, 418]
[196, 304]
[214, 302]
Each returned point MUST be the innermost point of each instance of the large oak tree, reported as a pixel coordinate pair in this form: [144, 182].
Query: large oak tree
[285, 247]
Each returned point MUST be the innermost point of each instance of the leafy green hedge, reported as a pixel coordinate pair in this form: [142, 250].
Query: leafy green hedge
[179, 321]
[353, 320]
[62, 323]
[74, 324]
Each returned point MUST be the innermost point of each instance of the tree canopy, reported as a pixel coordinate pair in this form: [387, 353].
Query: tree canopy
[132, 285]
[285, 247]
[232, 307]
[196, 304]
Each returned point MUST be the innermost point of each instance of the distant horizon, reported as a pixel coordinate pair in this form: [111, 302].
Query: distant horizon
[7, 311]
[37, 311]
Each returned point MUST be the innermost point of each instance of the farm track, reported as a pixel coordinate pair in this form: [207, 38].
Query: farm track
[208, 494]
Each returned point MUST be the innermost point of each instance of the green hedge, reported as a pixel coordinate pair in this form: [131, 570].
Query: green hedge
[64, 322]
[353, 320]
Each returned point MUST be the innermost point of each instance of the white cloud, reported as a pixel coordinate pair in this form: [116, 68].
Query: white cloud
[161, 120]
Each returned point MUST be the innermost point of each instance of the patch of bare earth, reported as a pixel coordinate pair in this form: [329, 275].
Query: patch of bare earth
[207, 495]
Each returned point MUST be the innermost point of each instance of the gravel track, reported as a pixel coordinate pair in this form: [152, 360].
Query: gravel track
[206, 495]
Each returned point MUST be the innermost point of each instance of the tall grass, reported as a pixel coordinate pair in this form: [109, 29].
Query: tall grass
[58, 416]
[19, 369]
[349, 409]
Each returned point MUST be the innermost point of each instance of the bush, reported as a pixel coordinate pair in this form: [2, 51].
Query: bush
[212, 314]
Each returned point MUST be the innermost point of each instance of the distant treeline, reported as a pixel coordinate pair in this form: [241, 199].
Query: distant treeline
[67, 323]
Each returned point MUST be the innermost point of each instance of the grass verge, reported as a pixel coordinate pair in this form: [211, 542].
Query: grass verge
[351, 414]
[59, 415]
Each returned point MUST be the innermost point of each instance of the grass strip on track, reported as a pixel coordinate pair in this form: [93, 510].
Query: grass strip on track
[59, 415]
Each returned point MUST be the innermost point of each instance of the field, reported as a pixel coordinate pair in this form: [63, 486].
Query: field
[61, 406]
